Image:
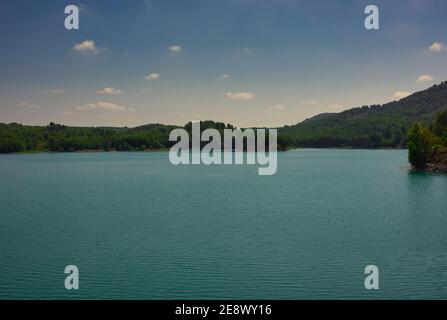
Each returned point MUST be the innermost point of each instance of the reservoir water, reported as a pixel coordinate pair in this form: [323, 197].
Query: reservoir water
[138, 227]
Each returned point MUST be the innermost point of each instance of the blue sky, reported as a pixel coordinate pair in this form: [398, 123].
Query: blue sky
[246, 62]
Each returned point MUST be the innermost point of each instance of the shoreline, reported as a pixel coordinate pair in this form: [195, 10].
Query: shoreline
[431, 167]
[167, 150]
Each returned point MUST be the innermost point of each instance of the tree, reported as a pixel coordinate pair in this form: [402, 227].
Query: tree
[11, 144]
[420, 145]
[440, 126]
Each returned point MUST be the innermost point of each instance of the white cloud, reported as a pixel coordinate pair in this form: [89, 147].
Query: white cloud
[152, 76]
[27, 105]
[277, 107]
[109, 90]
[104, 106]
[400, 95]
[308, 102]
[225, 76]
[437, 47]
[175, 48]
[86, 47]
[425, 78]
[240, 96]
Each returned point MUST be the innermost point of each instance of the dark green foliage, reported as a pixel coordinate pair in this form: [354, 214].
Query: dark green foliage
[440, 126]
[55, 137]
[420, 145]
[426, 147]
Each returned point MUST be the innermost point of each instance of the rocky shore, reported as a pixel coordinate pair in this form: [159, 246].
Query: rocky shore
[438, 162]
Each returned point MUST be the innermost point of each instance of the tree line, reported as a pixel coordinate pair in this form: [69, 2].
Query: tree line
[15, 137]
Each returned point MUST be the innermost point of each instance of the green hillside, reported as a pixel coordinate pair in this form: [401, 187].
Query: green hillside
[376, 126]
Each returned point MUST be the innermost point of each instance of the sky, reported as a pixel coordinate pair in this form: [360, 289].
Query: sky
[245, 62]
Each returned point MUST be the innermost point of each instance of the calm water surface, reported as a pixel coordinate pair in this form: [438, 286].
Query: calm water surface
[138, 227]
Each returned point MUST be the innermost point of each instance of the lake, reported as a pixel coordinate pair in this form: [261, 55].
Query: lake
[138, 227]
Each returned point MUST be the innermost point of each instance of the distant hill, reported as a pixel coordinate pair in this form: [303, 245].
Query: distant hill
[376, 126]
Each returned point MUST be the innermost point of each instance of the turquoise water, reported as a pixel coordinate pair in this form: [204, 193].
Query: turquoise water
[138, 227]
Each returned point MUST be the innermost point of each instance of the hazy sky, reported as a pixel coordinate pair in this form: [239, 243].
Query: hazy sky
[246, 62]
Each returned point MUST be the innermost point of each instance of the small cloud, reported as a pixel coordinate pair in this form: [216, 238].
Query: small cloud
[104, 106]
[400, 95]
[109, 90]
[308, 102]
[437, 47]
[175, 48]
[152, 76]
[27, 105]
[425, 78]
[86, 47]
[277, 107]
[240, 96]
[225, 76]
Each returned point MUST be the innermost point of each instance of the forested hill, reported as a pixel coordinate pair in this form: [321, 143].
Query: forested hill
[376, 126]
